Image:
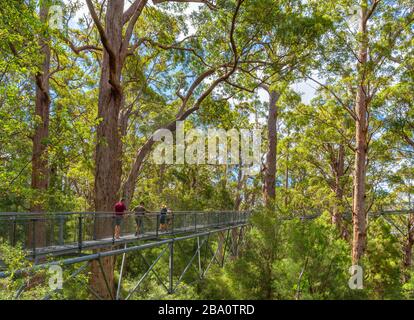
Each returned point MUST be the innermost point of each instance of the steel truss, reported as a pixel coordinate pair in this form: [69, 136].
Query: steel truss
[204, 254]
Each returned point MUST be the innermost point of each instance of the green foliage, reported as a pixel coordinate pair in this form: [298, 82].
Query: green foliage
[289, 260]
[274, 42]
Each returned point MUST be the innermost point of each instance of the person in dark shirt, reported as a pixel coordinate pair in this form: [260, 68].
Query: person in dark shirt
[139, 217]
[163, 218]
[120, 208]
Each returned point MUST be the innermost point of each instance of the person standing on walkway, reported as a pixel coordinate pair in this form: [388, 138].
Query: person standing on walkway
[120, 208]
[163, 218]
[139, 217]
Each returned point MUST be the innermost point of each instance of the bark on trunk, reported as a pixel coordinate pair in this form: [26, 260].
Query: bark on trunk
[108, 167]
[237, 202]
[361, 108]
[108, 148]
[270, 171]
[40, 169]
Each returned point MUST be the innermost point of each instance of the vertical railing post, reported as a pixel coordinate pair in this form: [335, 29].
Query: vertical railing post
[171, 267]
[80, 227]
[13, 239]
[195, 221]
[34, 237]
[113, 228]
[49, 240]
[172, 224]
[157, 225]
[199, 257]
[95, 223]
[61, 223]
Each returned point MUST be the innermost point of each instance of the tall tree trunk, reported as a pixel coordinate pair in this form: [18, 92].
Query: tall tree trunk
[237, 202]
[40, 169]
[361, 111]
[287, 170]
[270, 171]
[108, 167]
[339, 171]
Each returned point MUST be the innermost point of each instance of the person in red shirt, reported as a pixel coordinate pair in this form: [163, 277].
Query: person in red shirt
[120, 208]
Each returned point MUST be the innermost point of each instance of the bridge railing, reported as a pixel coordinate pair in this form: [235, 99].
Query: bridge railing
[34, 231]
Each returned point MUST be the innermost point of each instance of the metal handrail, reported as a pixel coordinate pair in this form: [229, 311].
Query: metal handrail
[78, 229]
[109, 213]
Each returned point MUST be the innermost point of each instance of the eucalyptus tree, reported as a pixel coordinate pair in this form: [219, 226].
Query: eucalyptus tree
[287, 34]
[325, 134]
[36, 35]
[358, 58]
[40, 168]
[121, 38]
[17, 52]
[214, 61]
[398, 114]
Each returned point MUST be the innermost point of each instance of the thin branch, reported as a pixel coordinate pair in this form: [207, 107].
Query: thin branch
[101, 30]
[372, 10]
[165, 47]
[104, 39]
[131, 10]
[78, 50]
[350, 111]
[209, 4]
[130, 29]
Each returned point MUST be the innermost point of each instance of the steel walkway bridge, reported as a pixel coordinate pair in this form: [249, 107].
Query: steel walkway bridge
[71, 239]
[75, 232]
